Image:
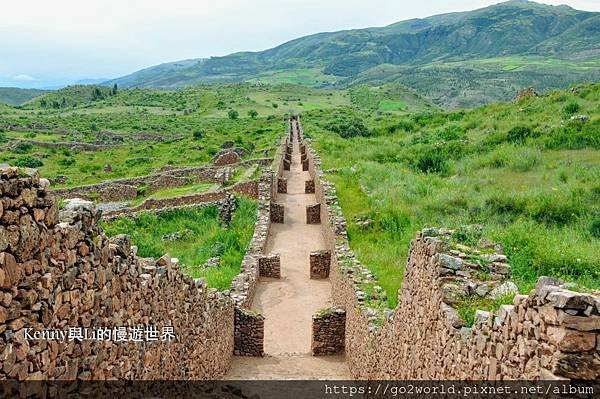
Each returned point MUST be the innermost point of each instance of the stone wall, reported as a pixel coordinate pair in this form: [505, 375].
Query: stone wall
[270, 266]
[249, 189]
[249, 333]
[277, 212]
[313, 214]
[122, 189]
[62, 272]
[328, 332]
[550, 333]
[320, 262]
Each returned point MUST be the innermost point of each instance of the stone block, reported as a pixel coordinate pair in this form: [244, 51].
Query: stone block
[281, 185]
[277, 213]
[305, 165]
[309, 187]
[269, 266]
[328, 332]
[320, 262]
[286, 165]
[313, 214]
[249, 330]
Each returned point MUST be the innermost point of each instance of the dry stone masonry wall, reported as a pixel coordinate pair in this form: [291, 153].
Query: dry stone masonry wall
[328, 332]
[549, 334]
[61, 272]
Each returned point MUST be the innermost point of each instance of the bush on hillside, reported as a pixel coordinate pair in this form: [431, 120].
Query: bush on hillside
[23, 148]
[519, 134]
[432, 161]
[28, 162]
[595, 227]
[572, 107]
[348, 128]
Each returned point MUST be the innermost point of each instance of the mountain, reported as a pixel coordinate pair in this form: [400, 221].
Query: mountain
[17, 96]
[517, 28]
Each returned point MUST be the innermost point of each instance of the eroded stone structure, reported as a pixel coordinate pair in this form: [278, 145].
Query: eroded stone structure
[270, 266]
[320, 262]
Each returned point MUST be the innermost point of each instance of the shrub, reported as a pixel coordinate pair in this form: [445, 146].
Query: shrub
[554, 209]
[571, 108]
[233, 114]
[198, 134]
[66, 161]
[519, 134]
[252, 113]
[595, 227]
[450, 132]
[23, 148]
[354, 127]
[28, 162]
[432, 162]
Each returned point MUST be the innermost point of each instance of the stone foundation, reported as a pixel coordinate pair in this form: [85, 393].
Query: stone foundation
[277, 213]
[328, 332]
[313, 214]
[270, 266]
[249, 333]
[281, 185]
[309, 187]
[319, 264]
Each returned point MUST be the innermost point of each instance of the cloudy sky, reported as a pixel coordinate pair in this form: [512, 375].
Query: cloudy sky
[46, 43]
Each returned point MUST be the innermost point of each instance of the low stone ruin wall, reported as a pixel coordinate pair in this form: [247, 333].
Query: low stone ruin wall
[249, 189]
[126, 189]
[74, 145]
[63, 274]
[550, 333]
[328, 332]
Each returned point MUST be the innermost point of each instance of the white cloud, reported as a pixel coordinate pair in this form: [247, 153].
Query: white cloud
[23, 78]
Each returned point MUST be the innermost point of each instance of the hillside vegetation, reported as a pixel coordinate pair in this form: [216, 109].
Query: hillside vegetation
[18, 96]
[458, 59]
[148, 129]
[525, 174]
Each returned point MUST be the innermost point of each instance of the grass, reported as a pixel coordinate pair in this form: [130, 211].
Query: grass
[202, 237]
[534, 191]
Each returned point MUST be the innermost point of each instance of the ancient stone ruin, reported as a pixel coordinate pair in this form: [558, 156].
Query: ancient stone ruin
[58, 271]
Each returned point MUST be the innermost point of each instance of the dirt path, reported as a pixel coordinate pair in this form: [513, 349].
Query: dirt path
[289, 303]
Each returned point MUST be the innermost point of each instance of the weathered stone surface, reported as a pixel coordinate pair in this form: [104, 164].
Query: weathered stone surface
[270, 266]
[568, 340]
[313, 214]
[277, 213]
[281, 185]
[328, 332]
[320, 262]
[227, 158]
[309, 187]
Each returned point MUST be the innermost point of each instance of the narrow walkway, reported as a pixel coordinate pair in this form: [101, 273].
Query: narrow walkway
[289, 303]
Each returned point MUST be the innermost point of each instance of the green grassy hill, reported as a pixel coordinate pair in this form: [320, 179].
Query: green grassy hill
[517, 29]
[17, 96]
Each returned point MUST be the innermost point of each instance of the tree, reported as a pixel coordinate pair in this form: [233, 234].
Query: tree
[252, 113]
[233, 114]
[114, 89]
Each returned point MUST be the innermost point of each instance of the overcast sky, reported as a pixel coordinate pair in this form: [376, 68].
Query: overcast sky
[45, 43]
